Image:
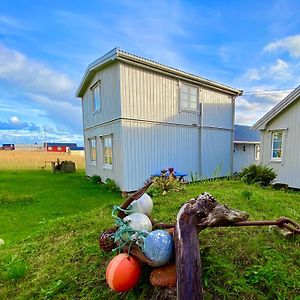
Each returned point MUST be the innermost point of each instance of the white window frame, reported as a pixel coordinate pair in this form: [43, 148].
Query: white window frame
[257, 152]
[104, 139]
[92, 142]
[189, 96]
[277, 159]
[96, 102]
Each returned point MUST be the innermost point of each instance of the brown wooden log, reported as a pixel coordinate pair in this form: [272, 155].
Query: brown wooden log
[133, 197]
[205, 210]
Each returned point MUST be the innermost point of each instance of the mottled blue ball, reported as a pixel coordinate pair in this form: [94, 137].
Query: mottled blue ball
[159, 247]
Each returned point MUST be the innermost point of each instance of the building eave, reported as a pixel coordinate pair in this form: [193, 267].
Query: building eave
[283, 104]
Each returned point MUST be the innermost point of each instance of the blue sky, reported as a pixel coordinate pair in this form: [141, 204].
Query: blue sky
[45, 47]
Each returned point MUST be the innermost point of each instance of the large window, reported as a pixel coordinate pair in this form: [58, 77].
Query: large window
[107, 151]
[188, 97]
[96, 96]
[277, 142]
[93, 150]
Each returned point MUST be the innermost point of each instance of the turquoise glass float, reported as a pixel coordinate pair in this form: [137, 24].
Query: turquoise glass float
[159, 247]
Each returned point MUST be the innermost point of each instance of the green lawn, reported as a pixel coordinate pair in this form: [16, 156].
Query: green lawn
[50, 224]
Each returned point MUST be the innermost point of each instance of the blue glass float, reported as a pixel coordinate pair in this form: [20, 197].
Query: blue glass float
[159, 247]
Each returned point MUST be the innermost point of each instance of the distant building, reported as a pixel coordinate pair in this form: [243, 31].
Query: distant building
[29, 147]
[280, 139]
[77, 151]
[140, 116]
[8, 147]
[59, 147]
[246, 147]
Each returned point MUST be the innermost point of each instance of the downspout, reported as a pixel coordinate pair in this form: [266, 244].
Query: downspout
[232, 132]
[200, 133]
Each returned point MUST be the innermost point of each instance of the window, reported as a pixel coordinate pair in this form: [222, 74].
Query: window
[93, 150]
[95, 89]
[107, 152]
[59, 148]
[188, 97]
[49, 148]
[257, 152]
[277, 139]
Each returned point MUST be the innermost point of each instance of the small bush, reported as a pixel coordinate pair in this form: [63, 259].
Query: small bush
[111, 185]
[163, 184]
[96, 179]
[247, 194]
[258, 174]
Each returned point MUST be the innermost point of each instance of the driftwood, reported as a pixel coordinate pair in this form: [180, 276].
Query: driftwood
[202, 210]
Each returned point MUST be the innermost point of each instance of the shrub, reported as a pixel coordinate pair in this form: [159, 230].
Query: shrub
[96, 179]
[163, 184]
[258, 174]
[111, 185]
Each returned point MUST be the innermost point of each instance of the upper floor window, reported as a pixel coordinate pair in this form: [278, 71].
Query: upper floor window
[96, 96]
[93, 150]
[188, 97]
[277, 143]
[107, 151]
[257, 152]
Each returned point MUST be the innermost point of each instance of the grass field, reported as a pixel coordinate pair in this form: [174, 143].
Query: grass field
[29, 160]
[51, 222]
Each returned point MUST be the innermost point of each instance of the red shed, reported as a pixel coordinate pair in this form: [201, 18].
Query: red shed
[60, 147]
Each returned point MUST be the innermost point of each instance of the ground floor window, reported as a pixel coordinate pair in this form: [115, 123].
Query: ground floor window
[277, 143]
[93, 150]
[107, 151]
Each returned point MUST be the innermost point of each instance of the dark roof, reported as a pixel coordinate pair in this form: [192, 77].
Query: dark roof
[70, 145]
[244, 133]
[77, 148]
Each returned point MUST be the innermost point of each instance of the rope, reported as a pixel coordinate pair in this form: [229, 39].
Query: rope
[125, 235]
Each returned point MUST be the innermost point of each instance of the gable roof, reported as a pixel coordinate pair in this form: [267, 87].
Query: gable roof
[283, 104]
[119, 55]
[70, 145]
[244, 134]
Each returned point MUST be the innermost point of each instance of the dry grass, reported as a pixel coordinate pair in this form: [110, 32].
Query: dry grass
[28, 160]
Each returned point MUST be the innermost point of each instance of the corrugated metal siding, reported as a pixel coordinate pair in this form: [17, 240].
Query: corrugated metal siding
[217, 108]
[241, 158]
[152, 96]
[117, 171]
[110, 97]
[148, 148]
[289, 169]
[216, 152]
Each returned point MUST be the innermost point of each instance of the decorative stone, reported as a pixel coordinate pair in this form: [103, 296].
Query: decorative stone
[164, 276]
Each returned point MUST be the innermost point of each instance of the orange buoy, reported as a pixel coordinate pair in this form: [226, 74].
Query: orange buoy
[123, 273]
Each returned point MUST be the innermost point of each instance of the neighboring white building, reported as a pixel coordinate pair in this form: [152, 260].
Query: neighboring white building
[140, 116]
[280, 139]
[246, 147]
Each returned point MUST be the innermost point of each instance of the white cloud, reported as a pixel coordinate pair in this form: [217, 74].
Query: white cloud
[34, 76]
[280, 71]
[63, 113]
[290, 44]
[14, 120]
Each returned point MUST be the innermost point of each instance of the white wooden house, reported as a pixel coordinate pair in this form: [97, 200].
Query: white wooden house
[246, 147]
[140, 116]
[280, 139]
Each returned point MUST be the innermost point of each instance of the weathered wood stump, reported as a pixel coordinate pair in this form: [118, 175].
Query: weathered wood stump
[204, 210]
